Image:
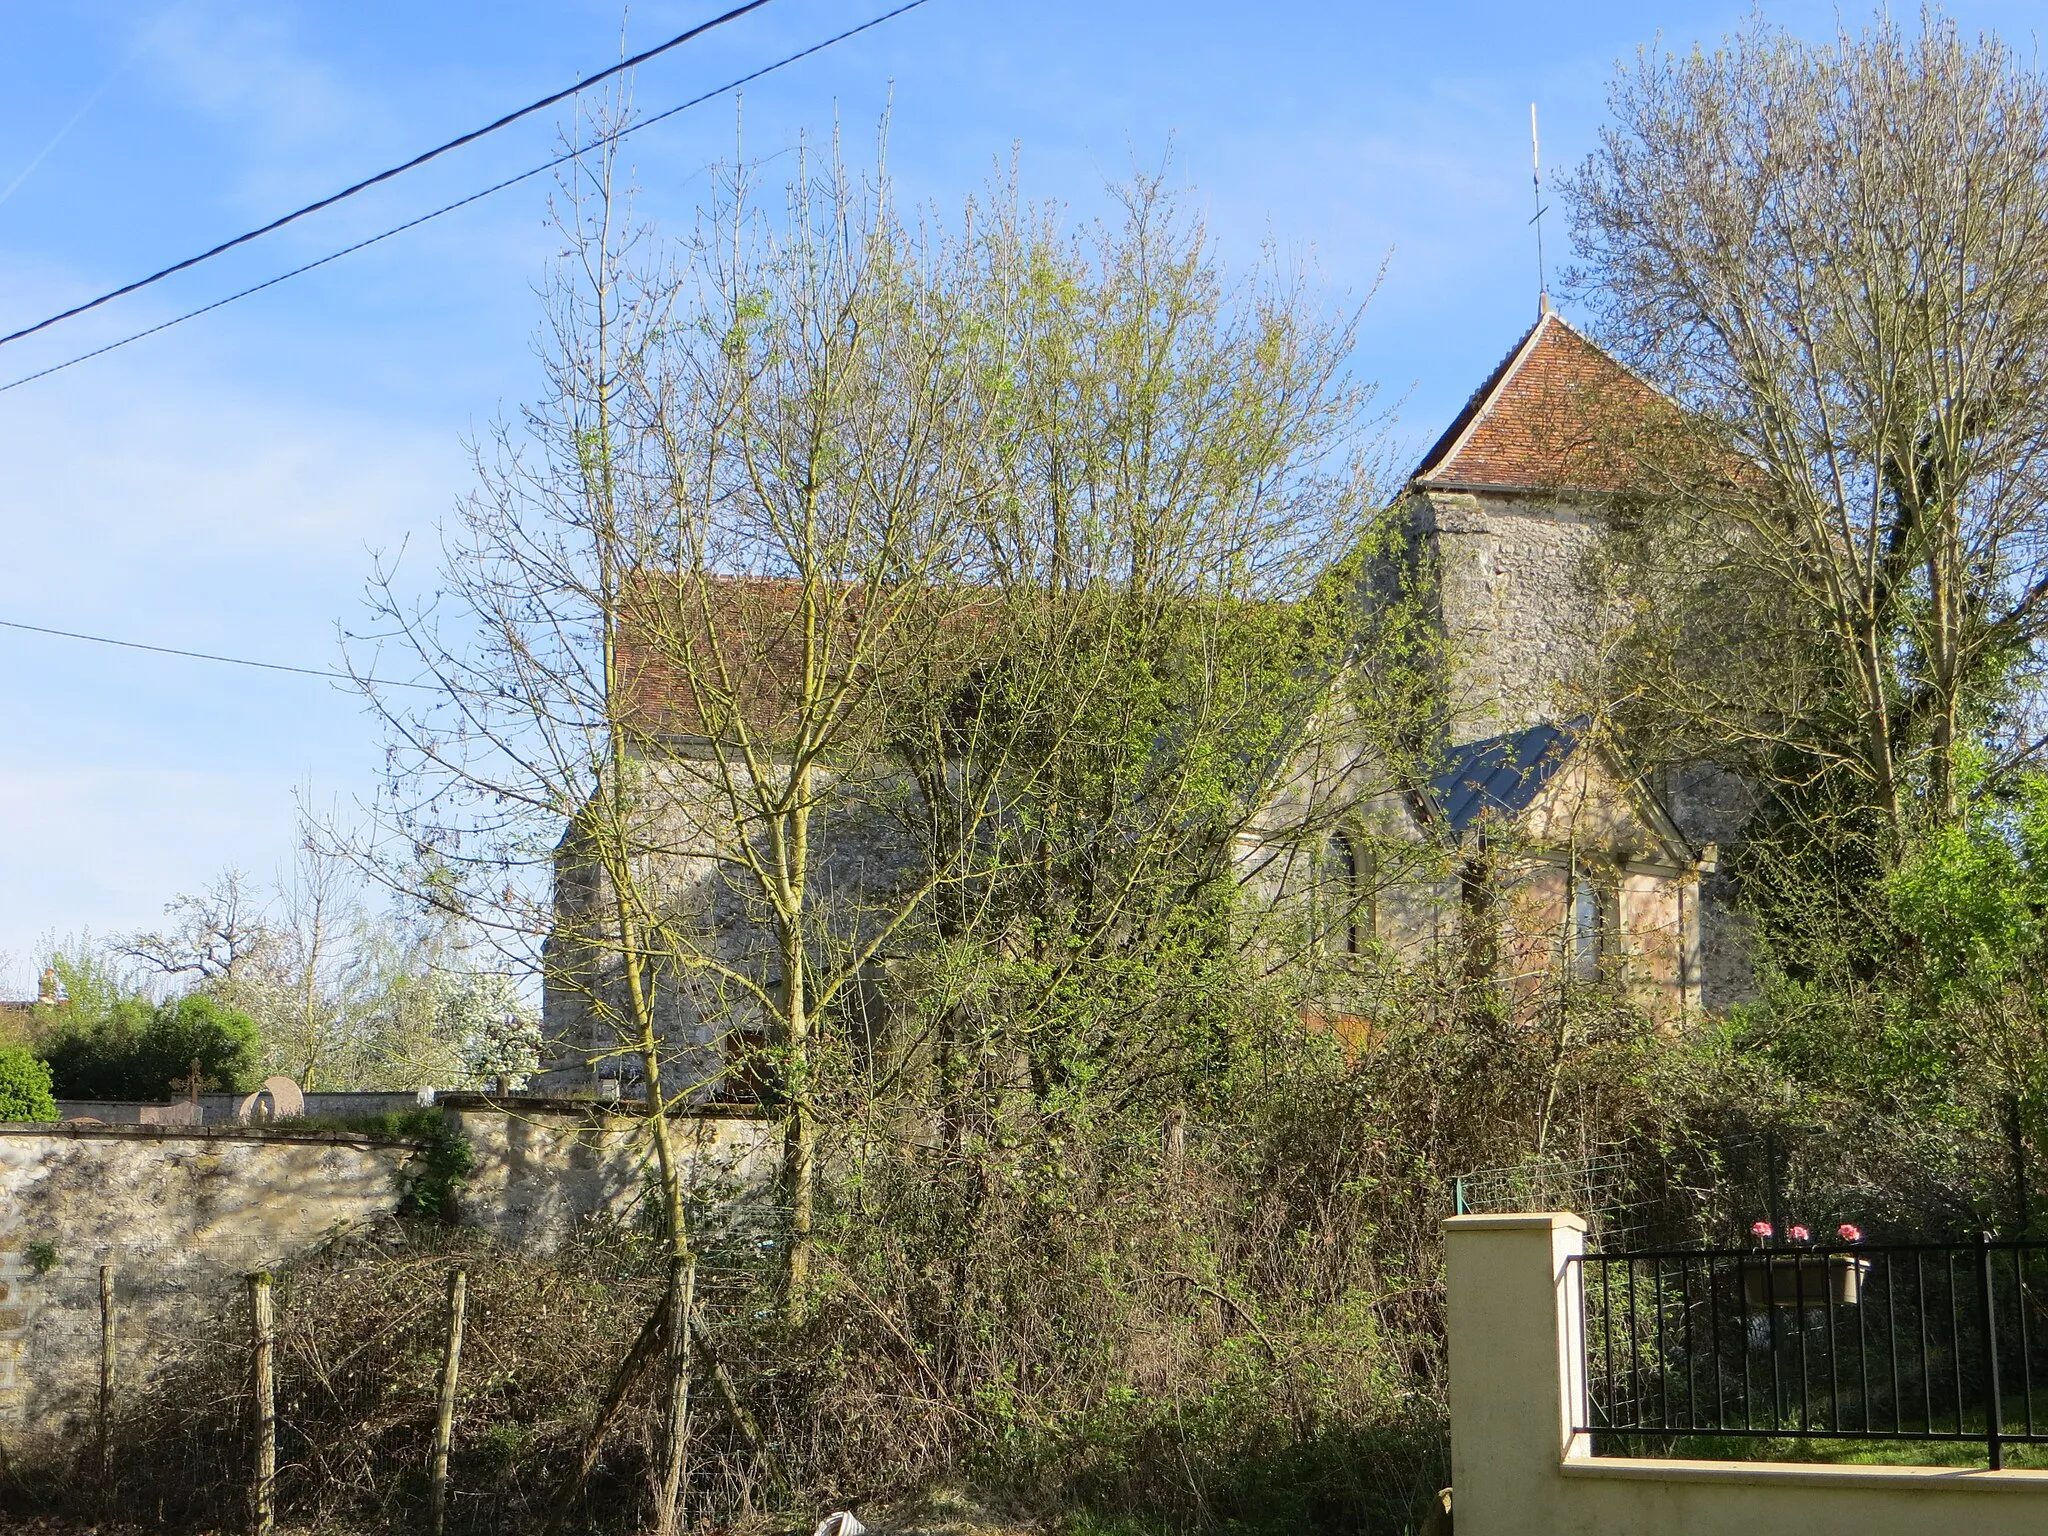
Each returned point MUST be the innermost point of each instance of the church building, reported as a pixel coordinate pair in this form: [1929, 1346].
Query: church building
[1557, 859]
[1551, 857]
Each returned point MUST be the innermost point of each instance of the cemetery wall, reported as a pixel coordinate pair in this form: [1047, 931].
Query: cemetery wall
[182, 1213]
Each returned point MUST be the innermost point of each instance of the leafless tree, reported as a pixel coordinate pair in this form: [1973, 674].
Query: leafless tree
[1836, 257]
[529, 729]
[216, 936]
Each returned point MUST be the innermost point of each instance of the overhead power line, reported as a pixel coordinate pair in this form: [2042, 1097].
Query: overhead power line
[464, 202]
[233, 661]
[397, 170]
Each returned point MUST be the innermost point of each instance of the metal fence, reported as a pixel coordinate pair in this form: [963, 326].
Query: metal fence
[1829, 1341]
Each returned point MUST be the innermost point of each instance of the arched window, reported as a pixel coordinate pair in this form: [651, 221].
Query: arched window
[1344, 887]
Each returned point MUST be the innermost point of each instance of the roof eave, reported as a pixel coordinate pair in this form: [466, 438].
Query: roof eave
[1510, 488]
[1466, 422]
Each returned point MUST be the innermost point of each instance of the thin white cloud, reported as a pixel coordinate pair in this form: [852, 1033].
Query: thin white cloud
[297, 122]
[143, 39]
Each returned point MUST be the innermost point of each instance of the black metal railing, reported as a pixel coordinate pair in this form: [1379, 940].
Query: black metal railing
[1829, 1341]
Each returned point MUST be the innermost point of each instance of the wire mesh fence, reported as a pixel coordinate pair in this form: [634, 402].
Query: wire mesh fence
[168, 1435]
[1596, 1187]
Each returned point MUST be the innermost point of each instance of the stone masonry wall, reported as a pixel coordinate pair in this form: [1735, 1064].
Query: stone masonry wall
[1509, 582]
[542, 1170]
[1511, 596]
[183, 1212]
[689, 872]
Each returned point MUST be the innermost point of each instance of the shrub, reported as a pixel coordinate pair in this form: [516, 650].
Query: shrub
[435, 1181]
[24, 1086]
[359, 1332]
[135, 1051]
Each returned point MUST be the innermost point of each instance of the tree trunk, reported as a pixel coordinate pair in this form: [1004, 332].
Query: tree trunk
[682, 1290]
[799, 1167]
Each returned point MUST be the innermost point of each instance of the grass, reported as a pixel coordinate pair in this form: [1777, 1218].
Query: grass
[1874, 1452]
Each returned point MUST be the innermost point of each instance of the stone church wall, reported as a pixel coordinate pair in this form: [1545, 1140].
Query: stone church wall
[1712, 805]
[1508, 574]
[1508, 577]
[714, 909]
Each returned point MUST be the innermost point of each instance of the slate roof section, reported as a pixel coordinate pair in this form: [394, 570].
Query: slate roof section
[1554, 416]
[1502, 775]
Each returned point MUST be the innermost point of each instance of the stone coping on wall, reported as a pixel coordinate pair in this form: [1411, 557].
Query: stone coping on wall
[591, 1108]
[592, 1111]
[1806, 1474]
[276, 1131]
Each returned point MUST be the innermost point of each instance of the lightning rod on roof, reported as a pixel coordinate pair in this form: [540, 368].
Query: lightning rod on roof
[1536, 175]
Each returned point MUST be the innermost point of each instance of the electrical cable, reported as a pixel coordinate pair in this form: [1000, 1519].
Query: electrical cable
[510, 181]
[233, 661]
[397, 170]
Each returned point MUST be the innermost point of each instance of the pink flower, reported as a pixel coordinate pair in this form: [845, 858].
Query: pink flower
[1760, 1229]
[1797, 1234]
[1850, 1234]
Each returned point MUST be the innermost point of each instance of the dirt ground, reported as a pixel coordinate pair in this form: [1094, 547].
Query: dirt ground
[943, 1514]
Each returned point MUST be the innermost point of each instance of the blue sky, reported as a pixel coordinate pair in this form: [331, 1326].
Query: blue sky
[224, 486]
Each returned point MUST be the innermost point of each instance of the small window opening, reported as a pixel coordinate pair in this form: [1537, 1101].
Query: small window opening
[1595, 923]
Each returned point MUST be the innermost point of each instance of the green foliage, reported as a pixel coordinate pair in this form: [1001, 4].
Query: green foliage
[40, 1256]
[133, 1051]
[1973, 895]
[25, 1086]
[1830, 571]
[434, 1180]
[1901, 1016]
[1169, 1255]
[89, 985]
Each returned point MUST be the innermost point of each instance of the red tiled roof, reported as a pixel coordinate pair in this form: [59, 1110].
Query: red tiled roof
[702, 656]
[729, 638]
[1555, 415]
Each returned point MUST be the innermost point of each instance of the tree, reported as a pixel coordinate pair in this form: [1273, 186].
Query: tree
[803, 546]
[1836, 257]
[345, 997]
[25, 1085]
[324, 972]
[87, 983]
[1174, 542]
[219, 936]
[846, 571]
[531, 730]
[1835, 562]
[497, 1034]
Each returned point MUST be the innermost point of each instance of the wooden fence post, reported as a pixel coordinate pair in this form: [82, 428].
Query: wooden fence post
[106, 1383]
[444, 1408]
[263, 1514]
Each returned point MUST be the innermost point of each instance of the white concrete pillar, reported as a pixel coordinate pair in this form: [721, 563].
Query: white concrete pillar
[1516, 1367]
